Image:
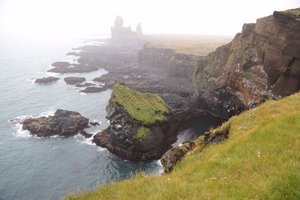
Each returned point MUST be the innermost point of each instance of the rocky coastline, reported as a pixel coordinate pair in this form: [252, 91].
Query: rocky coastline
[260, 63]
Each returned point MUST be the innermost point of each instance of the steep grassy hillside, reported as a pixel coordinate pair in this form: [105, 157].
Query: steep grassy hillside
[259, 160]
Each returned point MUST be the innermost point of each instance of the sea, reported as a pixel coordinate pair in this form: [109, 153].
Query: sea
[50, 168]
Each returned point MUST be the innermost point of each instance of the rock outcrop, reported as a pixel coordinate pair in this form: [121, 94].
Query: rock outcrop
[136, 125]
[261, 62]
[63, 123]
[46, 80]
[174, 155]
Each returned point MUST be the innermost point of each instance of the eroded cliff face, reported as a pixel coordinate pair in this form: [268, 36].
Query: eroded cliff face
[263, 60]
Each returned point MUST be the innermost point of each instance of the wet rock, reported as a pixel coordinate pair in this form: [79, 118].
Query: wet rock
[63, 123]
[46, 80]
[74, 80]
[94, 123]
[85, 134]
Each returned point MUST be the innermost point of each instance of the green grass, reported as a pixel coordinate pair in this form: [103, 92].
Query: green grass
[142, 133]
[144, 107]
[259, 160]
[295, 12]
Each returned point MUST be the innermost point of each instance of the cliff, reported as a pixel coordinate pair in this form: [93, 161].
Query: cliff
[261, 62]
[258, 160]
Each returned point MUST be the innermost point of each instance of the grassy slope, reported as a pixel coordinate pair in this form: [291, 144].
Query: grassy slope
[144, 107]
[260, 160]
[189, 44]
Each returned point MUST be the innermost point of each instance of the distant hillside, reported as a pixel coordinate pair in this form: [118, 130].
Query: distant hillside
[200, 45]
[259, 160]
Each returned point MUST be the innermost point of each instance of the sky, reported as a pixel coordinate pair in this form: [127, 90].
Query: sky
[82, 17]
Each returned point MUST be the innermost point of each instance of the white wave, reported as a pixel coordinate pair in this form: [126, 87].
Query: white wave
[46, 113]
[17, 126]
[50, 73]
[161, 169]
[101, 149]
[30, 80]
[20, 132]
[81, 139]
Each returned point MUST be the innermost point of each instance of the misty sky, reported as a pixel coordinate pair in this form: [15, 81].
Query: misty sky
[80, 17]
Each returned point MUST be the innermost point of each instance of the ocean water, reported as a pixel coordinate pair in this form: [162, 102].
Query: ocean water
[49, 168]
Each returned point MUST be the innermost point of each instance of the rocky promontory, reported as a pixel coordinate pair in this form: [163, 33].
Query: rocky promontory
[136, 126]
[62, 123]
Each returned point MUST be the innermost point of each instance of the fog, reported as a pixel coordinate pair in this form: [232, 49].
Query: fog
[75, 18]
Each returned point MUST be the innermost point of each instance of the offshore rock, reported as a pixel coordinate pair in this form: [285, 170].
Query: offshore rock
[46, 80]
[63, 123]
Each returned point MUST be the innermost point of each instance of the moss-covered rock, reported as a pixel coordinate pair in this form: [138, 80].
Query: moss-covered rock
[145, 108]
[138, 124]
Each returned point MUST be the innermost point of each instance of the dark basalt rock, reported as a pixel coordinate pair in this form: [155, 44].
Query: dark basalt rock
[85, 134]
[94, 89]
[84, 84]
[63, 123]
[46, 80]
[136, 140]
[94, 123]
[74, 80]
[174, 155]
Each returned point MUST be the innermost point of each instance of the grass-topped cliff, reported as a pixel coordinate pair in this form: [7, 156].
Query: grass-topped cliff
[144, 107]
[259, 160]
